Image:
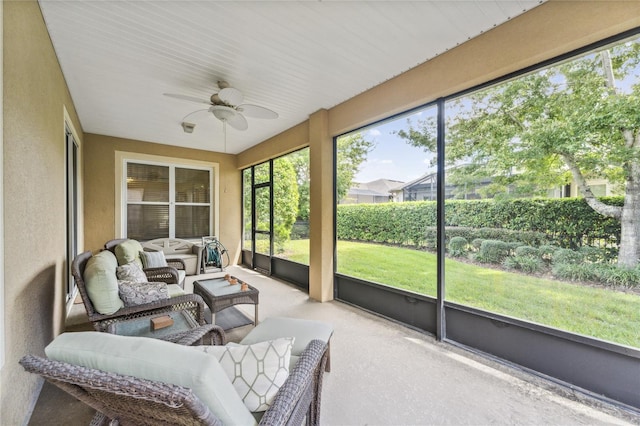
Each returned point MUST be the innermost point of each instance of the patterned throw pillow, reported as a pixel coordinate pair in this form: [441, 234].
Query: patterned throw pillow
[131, 273]
[153, 259]
[256, 371]
[133, 294]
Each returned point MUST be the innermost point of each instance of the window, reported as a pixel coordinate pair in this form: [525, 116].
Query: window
[521, 240]
[167, 199]
[291, 211]
[290, 207]
[247, 220]
[72, 206]
[386, 213]
[521, 251]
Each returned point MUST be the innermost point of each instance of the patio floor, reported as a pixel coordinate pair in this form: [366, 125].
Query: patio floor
[383, 373]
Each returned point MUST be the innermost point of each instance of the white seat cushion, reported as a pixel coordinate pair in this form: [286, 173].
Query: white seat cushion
[304, 332]
[175, 290]
[190, 262]
[157, 360]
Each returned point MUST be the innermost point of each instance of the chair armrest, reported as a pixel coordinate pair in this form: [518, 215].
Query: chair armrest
[197, 250]
[167, 274]
[177, 263]
[191, 303]
[299, 396]
[208, 334]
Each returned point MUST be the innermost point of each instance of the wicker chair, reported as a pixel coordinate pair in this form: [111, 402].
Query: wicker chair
[127, 400]
[189, 302]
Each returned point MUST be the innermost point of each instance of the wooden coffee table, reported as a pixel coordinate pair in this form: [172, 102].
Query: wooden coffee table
[219, 294]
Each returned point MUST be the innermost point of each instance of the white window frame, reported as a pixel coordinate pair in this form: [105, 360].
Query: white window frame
[75, 208]
[121, 160]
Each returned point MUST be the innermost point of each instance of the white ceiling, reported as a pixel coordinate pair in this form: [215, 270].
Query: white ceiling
[294, 57]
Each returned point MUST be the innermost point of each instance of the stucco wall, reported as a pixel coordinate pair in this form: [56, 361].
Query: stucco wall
[35, 95]
[99, 161]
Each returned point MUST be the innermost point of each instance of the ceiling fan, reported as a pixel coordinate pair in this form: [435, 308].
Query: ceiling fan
[227, 106]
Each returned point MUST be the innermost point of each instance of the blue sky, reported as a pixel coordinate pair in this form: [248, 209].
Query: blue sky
[392, 158]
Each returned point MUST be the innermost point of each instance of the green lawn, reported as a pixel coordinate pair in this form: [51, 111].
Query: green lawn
[597, 312]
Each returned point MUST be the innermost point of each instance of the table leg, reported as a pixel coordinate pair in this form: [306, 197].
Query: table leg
[255, 318]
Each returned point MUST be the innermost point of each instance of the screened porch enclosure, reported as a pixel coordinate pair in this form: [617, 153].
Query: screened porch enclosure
[489, 243]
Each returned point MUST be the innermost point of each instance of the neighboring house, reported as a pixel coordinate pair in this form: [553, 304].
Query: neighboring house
[599, 187]
[424, 188]
[377, 191]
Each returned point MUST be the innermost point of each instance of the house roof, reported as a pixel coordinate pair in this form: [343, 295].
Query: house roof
[366, 192]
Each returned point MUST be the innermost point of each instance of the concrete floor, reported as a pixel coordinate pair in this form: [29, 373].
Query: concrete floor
[386, 374]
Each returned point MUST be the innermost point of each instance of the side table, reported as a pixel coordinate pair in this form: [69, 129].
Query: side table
[219, 294]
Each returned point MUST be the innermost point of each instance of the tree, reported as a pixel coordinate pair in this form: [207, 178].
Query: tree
[579, 119]
[285, 200]
[351, 152]
[300, 161]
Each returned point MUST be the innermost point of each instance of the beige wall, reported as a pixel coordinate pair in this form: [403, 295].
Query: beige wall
[295, 138]
[549, 30]
[100, 185]
[35, 95]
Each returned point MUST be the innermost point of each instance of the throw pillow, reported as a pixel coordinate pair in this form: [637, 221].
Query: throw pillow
[131, 272]
[128, 251]
[101, 282]
[153, 259]
[133, 294]
[256, 371]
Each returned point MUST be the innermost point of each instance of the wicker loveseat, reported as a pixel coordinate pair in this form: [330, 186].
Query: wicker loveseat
[141, 381]
[101, 319]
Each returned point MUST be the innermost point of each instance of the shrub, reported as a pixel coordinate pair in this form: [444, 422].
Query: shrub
[513, 246]
[606, 274]
[567, 222]
[546, 252]
[527, 251]
[476, 243]
[575, 272]
[458, 246]
[300, 231]
[617, 276]
[593, 254]
[567, 256]
[493, 251]
[528, 264]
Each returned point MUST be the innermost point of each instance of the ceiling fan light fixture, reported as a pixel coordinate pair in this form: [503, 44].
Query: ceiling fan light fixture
[223, 113]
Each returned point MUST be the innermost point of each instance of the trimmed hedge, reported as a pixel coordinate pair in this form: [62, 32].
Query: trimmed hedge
[563, 222]
[458, 246]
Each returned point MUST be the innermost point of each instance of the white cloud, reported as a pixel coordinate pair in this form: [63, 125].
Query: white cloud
[374, 132]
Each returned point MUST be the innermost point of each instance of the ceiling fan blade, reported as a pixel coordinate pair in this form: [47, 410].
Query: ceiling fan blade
[238, 122]
[256, 111]
[187, 98]
[230, 95]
